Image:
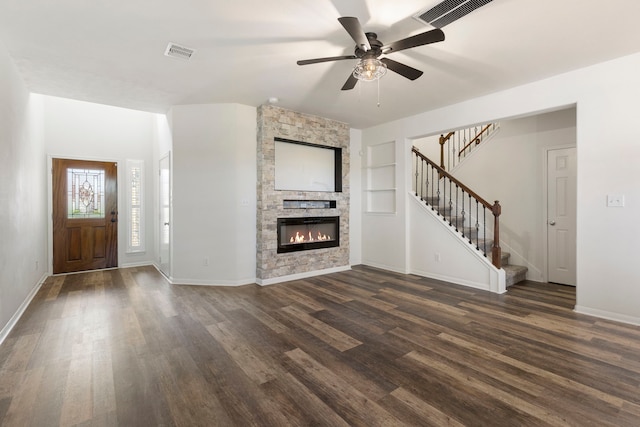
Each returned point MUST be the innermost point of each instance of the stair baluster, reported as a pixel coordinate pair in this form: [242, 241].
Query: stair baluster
[454, 146]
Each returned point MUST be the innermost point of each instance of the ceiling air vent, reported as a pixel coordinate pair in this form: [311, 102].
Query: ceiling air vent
[177, 51]
[448, 11]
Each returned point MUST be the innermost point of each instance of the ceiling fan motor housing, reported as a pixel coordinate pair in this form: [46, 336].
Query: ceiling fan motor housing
[376, 47]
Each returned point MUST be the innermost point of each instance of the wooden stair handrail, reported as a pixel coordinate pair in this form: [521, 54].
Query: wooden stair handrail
[443, 172]
[495, 208]
[475, 139]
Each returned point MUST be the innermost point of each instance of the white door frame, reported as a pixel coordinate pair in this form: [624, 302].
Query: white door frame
[168, 274]
[545, 206]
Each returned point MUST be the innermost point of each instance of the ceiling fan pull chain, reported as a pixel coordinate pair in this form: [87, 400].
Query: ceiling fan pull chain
[378, 93]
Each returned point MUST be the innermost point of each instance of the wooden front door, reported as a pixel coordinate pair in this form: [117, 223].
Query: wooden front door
[85, 215]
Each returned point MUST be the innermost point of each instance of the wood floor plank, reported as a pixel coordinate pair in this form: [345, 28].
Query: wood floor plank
[300, 299]
[193, 404]
[326, 333]
[264, 317]
[23, 348]
[140, 398]
[347, 401]
[104, 396]
[548, 376]
[77, 403]
[424, 302]
[55, 285]
[20, 412]
[4, 407]
[200, 312]
[312, 410]
[248, 360]
[50, 394]
[313, 287]
[342, 364]
[539, 414]
[428, 415]
[360, 347]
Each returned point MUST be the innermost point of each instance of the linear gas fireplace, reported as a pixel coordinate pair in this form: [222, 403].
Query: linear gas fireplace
[306, 233]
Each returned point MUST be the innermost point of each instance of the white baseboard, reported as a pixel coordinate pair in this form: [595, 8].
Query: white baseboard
[207, 282]
[383, 267]
[453, 280]
[632, 320]
[298, 276]
[136, 264]
[191, 282]
[4, 333]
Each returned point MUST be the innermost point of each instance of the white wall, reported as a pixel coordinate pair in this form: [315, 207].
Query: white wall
[214, 194]
[77, 129]
[608, 153]
[23, 202]
[384, 235]
[429, 146]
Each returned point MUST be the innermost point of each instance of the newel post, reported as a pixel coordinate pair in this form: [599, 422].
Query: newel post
[442, 140]
[496, 252]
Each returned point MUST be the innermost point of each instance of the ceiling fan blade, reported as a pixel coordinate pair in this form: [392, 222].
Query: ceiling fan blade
[331, 58]
[427, 37]
[353, 27]
[350, 83]
[404, 70]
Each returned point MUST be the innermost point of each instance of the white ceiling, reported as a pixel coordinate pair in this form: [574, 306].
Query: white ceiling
[112, 52]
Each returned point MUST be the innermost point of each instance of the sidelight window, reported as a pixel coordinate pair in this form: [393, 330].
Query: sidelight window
[135, 193]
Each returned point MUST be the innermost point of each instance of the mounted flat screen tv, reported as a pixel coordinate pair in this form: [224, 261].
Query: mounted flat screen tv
[301, 166]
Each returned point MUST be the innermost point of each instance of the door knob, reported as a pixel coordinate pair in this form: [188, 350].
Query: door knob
[552, 222]
[166, 223]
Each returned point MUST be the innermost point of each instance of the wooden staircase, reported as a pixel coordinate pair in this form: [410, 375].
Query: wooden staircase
[454, 147]
[513, 273]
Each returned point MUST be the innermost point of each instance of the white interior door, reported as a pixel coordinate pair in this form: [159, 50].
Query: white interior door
[561, 216]
[165, 216]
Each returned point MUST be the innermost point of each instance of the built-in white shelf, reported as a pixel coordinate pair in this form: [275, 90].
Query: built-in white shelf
[380, 178]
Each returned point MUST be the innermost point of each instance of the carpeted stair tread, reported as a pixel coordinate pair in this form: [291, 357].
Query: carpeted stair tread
[514, 274]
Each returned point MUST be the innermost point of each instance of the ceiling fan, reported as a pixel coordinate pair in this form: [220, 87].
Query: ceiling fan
[369, 51]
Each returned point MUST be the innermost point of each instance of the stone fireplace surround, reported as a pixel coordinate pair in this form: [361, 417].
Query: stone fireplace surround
[273, 267]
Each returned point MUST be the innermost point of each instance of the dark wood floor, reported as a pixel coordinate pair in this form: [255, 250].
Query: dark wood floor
[364, 347]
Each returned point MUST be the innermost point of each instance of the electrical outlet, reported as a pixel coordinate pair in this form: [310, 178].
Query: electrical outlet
[615, 200]
[437, 257]
[205, 261]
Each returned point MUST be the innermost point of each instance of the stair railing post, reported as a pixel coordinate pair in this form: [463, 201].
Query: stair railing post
[496, 251]
[442, 140]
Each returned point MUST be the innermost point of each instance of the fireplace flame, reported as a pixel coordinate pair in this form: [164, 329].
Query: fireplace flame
[300, 238]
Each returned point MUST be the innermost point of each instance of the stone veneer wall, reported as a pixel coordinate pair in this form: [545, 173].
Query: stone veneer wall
[277, 122]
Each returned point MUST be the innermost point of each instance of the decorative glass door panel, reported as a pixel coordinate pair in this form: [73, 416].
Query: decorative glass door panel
[85, 188]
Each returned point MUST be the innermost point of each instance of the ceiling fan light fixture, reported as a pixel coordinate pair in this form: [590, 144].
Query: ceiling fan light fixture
[369, 69]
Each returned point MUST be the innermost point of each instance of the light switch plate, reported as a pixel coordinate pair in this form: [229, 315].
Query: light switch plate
[615, 200]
